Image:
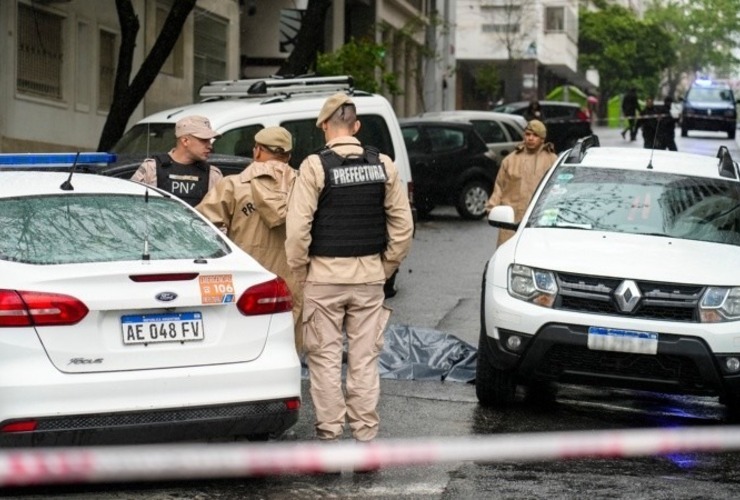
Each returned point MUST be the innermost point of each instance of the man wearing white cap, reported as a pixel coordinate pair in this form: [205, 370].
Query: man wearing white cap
[349, 227]
[184, 171]
[250, 208]
[521, 172]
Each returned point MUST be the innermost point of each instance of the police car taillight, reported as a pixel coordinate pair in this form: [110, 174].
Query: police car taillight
[24, 308]
[269, 297]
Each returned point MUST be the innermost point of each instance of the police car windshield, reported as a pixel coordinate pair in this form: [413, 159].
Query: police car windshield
[102, 228]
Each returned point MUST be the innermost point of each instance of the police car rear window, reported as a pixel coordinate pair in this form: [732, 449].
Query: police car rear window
[82, 228]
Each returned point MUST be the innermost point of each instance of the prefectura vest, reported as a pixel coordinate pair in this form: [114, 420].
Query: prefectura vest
[350, 217]
[187, 182]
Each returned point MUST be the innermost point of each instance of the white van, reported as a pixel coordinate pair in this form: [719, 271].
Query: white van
[238, 109]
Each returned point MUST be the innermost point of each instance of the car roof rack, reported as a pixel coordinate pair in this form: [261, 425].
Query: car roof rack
[263, 87]
[51, 161]
[727, 167]
[579, 150]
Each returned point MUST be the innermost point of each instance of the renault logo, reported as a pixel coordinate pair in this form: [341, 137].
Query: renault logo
[627, 296]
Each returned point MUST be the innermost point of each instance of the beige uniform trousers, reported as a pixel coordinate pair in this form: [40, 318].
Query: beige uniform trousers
[359, 309]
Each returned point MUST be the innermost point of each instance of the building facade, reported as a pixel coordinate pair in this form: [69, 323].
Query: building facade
[531, 45]
[60, 61]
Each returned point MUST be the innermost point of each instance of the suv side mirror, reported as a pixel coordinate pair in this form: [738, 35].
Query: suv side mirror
[502, 217]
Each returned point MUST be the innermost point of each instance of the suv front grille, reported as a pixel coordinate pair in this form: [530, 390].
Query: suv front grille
[579, 359]
[660, 301]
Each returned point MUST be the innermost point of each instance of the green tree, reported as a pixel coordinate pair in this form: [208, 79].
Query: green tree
[704, 34]
[626, 51]
[362, 59]
[488, 82]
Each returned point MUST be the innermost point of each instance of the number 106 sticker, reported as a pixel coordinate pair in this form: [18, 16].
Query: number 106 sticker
[216, 289]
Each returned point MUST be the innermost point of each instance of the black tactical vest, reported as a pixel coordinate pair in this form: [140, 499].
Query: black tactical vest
[350, 218]
[187, 182]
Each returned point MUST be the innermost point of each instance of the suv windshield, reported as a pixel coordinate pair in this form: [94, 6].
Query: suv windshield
[639, 202]
[710, 94]
[71, 229]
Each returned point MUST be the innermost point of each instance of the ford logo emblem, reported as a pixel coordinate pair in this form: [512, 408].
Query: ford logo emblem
[166, 296]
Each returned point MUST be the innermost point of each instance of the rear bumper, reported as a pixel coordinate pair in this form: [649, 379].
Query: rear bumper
[198, 402]
[264, 418]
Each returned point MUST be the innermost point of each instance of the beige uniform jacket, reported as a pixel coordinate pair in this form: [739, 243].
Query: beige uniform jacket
[517, 180]
[251, 208]
[345, 270]
[147, 173]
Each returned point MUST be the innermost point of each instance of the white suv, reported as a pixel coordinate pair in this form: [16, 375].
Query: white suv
[623, 272]
[238, 109]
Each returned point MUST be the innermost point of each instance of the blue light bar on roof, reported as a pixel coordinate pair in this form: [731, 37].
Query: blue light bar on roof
[54, 159]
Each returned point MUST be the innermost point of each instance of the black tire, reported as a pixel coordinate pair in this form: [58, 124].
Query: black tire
[731, 133]
[471, 202]
[684, 131]
[494, 388]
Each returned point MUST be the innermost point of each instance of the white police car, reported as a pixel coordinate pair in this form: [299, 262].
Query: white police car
[623, 272]
[125, 316]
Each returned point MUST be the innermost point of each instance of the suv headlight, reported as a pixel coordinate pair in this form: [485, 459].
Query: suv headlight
[532, 285]
[720, 304]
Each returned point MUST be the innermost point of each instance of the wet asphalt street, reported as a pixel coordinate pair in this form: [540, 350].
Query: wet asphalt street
[439, 289]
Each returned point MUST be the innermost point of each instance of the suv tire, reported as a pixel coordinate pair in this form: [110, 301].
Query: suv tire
[494, 387]
[731, 133]
[471, 202]
[684, 131]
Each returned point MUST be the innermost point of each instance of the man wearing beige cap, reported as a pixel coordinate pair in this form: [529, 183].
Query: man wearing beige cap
[521, 172]
[184, 171]
[250, 208]
[349, 227]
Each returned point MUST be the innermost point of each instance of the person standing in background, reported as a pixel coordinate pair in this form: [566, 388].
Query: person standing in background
[520, 174]
[667, 127]
[630, 110]
[349, 226]
[251, 208]
[184, 171]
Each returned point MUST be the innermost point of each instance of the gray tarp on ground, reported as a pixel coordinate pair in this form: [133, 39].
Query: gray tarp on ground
[412, 353]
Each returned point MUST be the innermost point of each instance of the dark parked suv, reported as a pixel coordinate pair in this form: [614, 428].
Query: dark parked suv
[709, 106]
[565, 121]
[450, 165]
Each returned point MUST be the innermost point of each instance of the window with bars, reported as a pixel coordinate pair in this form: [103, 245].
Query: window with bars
[107, 68]
[40, 53]
[209, 50]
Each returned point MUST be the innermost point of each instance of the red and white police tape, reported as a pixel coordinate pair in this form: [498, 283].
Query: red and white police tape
[31, 466]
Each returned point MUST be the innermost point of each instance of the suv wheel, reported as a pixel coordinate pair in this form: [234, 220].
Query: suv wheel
[731, 132]
[684, 130]
[471, 202]
[493, 387]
